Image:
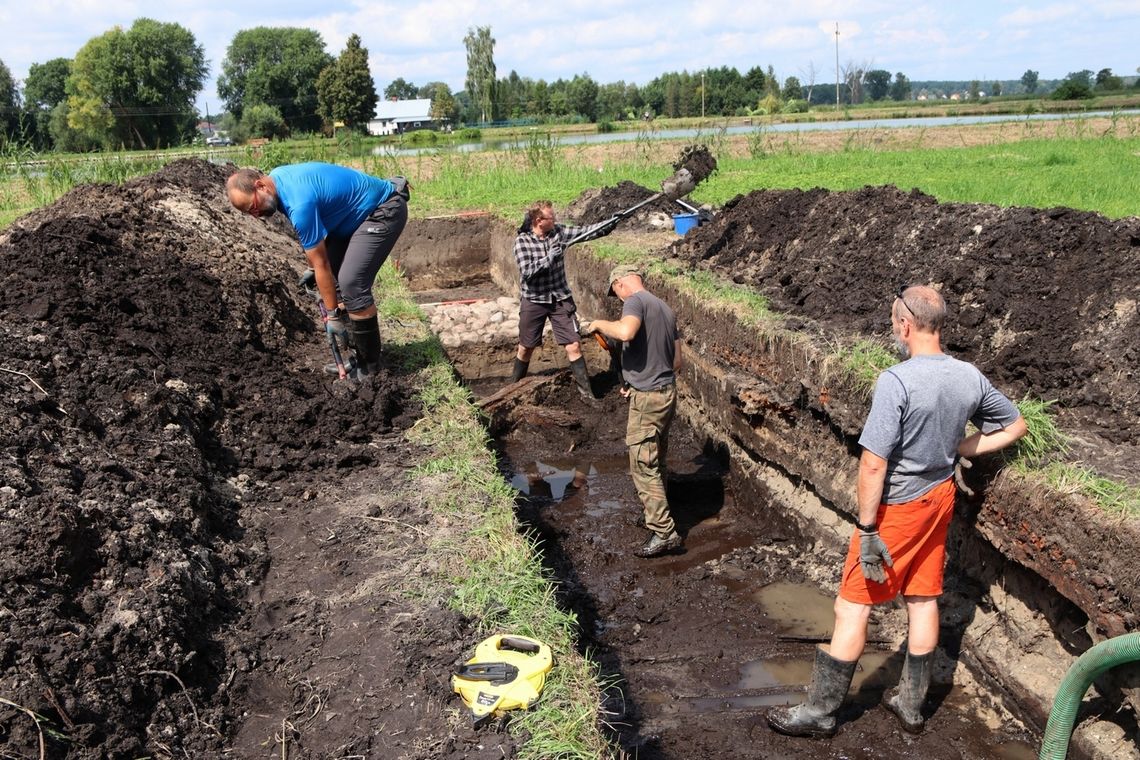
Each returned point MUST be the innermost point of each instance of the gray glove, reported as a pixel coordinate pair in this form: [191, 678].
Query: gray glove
[960, 467]
[336, 325]
[873, 554]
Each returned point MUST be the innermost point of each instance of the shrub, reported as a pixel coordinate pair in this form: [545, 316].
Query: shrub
[470, 133]
[261, 120]
[421, 137]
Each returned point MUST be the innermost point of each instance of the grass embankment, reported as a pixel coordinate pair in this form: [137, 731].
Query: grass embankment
[489, 569]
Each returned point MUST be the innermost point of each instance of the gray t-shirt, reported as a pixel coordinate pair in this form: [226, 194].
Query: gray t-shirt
[918, 417]
[647, 360]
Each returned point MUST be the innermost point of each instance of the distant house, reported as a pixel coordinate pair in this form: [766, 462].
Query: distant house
[394, 117]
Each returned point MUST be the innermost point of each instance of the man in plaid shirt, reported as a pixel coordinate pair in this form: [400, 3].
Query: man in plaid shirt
[543, 290]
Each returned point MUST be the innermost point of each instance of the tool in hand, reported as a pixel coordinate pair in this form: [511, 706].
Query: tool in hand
[341, 371]
[308, 281]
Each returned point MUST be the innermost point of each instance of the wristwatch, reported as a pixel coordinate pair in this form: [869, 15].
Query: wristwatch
[872, 528]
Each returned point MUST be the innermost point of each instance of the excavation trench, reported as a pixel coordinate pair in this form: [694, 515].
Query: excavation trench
[703, 642]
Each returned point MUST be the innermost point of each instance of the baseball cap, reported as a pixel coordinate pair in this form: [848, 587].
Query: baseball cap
[621, 270]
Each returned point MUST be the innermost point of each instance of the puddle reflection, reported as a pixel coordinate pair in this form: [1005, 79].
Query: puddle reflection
[552, 480]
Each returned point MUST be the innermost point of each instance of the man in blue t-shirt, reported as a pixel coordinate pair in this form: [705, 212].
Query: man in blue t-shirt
[912, 438]
[348, 222]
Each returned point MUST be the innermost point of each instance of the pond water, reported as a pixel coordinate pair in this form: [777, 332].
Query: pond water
[665, 134]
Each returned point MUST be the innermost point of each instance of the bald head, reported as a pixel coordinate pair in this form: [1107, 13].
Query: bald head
[922, 305]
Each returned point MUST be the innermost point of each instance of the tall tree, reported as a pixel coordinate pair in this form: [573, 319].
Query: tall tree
[1107, 81]
[900, 90]
[878, 83]
[793, 90]
[1074, 86]
[44, 89]
[138, 85]
[276, 66]
[9, 103]
[481, 70]
[345, 90]
[583, 95]
[398, 89]
[46, 85]
[444, 106]
[1029, 81]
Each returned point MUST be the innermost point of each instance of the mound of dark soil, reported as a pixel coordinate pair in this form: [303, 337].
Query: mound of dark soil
[597, 205]
[157, 384]
[1043, 301]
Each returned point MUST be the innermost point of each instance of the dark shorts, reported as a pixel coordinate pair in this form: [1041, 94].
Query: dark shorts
[356, 260]
[563, 316]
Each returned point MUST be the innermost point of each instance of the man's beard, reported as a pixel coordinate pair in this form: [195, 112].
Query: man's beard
[901, 348]
[270, 207]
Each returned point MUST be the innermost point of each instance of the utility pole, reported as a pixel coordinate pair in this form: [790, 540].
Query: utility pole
[836, 65]
[702, 96]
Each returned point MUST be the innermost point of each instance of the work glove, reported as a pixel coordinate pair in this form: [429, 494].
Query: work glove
[873, 554]
[336, 325]
[960, 466]
[609, 225]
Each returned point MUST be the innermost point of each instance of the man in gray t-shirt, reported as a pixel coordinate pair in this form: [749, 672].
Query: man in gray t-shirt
[651, 356]
[914, 434]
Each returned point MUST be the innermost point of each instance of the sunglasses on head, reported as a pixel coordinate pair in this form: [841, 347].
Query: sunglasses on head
[899, 295]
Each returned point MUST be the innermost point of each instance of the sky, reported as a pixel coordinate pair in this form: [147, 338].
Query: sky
[629, 40]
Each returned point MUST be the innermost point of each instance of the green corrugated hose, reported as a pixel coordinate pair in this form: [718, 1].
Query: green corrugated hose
[1103, 657]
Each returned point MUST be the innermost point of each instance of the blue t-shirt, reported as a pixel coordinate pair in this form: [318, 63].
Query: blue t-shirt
[325, 199]
[918, 417]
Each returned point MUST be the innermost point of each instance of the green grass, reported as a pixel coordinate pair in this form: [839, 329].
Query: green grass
[1088, 174]
[491, 568]
[1044, 439]
[862, 361]
[1115, 498]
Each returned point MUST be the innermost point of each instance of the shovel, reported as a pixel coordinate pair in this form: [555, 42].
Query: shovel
[681, 183]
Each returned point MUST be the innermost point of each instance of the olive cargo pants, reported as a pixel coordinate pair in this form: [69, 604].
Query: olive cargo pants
[647, 436]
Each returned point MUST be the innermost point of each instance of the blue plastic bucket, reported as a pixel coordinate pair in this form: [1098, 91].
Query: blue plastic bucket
[682, 223]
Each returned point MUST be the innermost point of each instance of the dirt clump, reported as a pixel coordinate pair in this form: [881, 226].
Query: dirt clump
[163, 417]
[697, 160]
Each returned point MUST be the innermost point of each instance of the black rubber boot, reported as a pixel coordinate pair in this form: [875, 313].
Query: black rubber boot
[830, 680]
[906, 701]
[519, 370]
[582, 377]
[366, 338]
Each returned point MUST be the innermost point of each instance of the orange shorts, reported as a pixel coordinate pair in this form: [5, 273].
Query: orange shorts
[915, 535]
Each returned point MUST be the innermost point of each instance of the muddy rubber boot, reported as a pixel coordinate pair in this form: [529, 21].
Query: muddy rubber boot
[830, 679]
[366, 337]
[518, 372]
[906, 701]
[582, 378]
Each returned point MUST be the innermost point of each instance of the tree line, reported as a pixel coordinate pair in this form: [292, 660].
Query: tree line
[136, 88]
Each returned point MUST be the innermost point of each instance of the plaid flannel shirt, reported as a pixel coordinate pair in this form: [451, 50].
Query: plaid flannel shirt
[542, 270]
